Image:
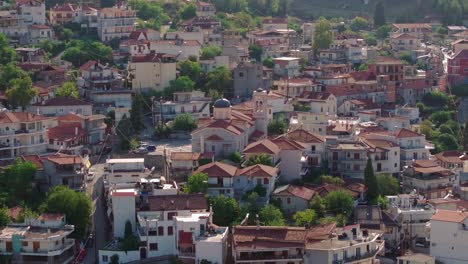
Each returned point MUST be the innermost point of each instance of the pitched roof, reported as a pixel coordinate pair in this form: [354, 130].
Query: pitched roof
[88, 65]
[226, 125]
[287, 144]
[51, 217]
[321, 96]
[177, 202]
[35, 159]
[218, 169]
[262, 146]
[258, 170]
[70, 117]
[304, 136]
[62, 159]
[295, 190]
[152, 57]
[67, 132]
[9, 117]
[267, 236]
[64, 8]
[406, 133]
[61, 101]
[214, 138]
[451, 156]
[449, 216]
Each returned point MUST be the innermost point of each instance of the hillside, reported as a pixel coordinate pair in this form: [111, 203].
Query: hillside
[308, 9]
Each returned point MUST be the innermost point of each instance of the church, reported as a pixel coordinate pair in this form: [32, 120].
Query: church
[230, 130]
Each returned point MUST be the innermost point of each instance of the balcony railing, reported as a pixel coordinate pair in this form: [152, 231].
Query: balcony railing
[270, 257]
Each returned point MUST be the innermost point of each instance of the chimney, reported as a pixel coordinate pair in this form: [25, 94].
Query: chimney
[76, 131]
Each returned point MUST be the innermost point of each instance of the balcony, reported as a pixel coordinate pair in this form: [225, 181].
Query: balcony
[67, 245]
[261, 257]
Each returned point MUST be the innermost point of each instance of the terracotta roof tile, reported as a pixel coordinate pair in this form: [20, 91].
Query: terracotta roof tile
[258, 170]
[451, 156]
[268, 236]
[35, 159]
[262, 146]
[449, 216]
[61, 101]
[67, 132]
[218, 169]
[406, 133]
[214, 138]
[64, 159]
[294, 190]
[304, 136]
[88, 65]
[9, 117]
[177, 202]
[51, 217]
[287, 144]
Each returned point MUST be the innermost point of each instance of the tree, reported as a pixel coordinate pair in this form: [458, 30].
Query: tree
[219, 79]
[370, 40]
[363, 67]
[331, 180]
[235, 157]
[277, 126]
[181, 84]
[17, 179]
[383, 31]
[188, 11]
[125, 132]
[271, 216]
[67, 89]
[128, 229]
[261, 158]
[318, 205]
[225, 210]
[191, 69]
[152, 12]
[162, 131]
[465, 136]
[322, 34]
[9, 73]
[185, 122]
[76, 206]
[209, 52]
[7, 53]
[445, 129]
[426, 128]
[358, 23]
[339, 202]
[440, 117]
[441, 30]
[75, 55]
[197, 183]
[268, 62]
[370, 181]
[136, 114]
[379, 14]
[114, 259]
[4, 218]
[307, 217]
[255, 52]
[21, 93]
[436, 99]
[388, 185]
[447, 142]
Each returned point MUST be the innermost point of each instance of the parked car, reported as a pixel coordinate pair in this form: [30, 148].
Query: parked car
[151, 148]
[140, 150]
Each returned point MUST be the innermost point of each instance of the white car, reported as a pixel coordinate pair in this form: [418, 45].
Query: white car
[90, 176]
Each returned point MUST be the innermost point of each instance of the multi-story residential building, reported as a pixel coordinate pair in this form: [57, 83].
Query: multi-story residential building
[205, 8]
[457, 68]
[62, 14]
[88, 18]
[216, 62]
[115, 22]
[404, 42]
[413, 146]
[429, 179]
[68, 138]
[411, 214]
[314, 145]
[450, 159]
[393, 123]
[125, 171]
[449, 236]
[336, 53]
[273, 24]
[293, 198]
[194, 103]
[224, 179]
[31, 12]
[59, 106]
[23, 133]
[247, 78]
[286, 66]
[351, 244]
[459, 45]
[388, 66]
[421, 31]
[38, 33]
[294, 87]
[42, 240]
[63, 169]
[152, 71]
[348, 159]
[182, 49]
[93, 125]
[94, 76]
[319, 102]
[311, 122]
[181, 164]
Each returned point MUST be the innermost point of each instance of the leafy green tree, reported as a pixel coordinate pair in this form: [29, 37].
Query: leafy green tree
[370, 40]
[322, 34]
[306, 217]
[191, 69]
[67, 89]
[261, 158]
[383, 31]
[76, 206]
[188, 11]
[235, 157]
[370, 181]
[445, 129]
[220, 80]
[26, 213]
[152, 12]
[184, 122]
[128, 229]
[358, 23]
[318, 205]
[197, 183]
[363, 67]
[255, 52]
[379, 14]
[465, 137]
[436, 98]
[382, 202]
[271, 216]
[440, 117]
[17, 179]
[447, 142]
[339, 202]
[21, 93]
[268, 62]
[277, 126]
[114, 259]
[181, 84]
[209, 52]
[136, 114]
[406, 57]
[225, 210]
[332, 180]
[9, 73]
[341, 220]
[162, 131]
[4, 218]
[7, 53]
[125, 131]
[426, 128]
[78, 52]
[388, 185]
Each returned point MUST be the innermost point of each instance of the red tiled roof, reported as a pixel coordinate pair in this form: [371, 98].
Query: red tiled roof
[9, 117]
[66, 132]
[406, 133]
[294, 190]
[62, 101]
[218, 169]
[136, 34]
[51, 217]
[449, 216]
[70, 117]
[362, 75]
[88, 65]
[214, 138]
[34, 159]
[152, 57]
[177, 202]
[304, 136]
[223, 124]
[64, 8]
[15, 212]
[451, 156]
[268, 236]
[64, 159]
[287, 144]
[37, 26]
[262, 146]
[258, 170]
[315, 95]
[173, 42]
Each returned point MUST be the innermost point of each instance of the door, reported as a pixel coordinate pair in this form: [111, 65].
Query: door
[9, 246]
[379, 167]
[36, 246]
[142, 253]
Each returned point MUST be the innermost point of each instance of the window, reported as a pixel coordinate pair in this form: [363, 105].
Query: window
[288, 200]
[56, 242]
[24, 243]
[357, 156]
[171, 215]
[153, 246]
[170, 230]
[395, 165]
[213, 148]
[161, 231]
[182, 109]
[356, 167]
[152, 233]
[105, 258]
[313, 148]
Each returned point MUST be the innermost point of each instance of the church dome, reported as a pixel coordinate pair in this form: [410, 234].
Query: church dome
[222, 103]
